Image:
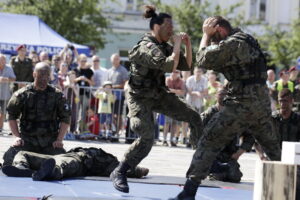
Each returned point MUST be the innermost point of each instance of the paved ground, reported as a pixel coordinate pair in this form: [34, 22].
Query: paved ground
[167, 164]
[162, 161]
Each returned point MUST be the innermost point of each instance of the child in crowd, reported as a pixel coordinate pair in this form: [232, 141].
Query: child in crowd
[92, 121]
[106, 100]
[89, 126]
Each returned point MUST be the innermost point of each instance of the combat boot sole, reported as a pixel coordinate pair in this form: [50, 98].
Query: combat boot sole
[13, 171]
[186, 198]
[119, 181]
[45, 171]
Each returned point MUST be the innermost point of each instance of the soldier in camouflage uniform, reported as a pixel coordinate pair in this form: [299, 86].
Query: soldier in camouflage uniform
[226, 167]
[22, 66]
[287, 125]
[246, 106]
[286, 121]
[76, 162]
[147, 92]
[44, 117]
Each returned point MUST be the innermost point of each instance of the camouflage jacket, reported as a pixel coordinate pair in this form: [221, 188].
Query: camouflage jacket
[150, 60]
[287, 129]
[22, 69]
[241, 61]
[233, 146]
[97, 162]
[40, 112]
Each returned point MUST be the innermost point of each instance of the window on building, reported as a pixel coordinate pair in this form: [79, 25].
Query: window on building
[103, 62]
[258, 9]
[197, 1]
[139, 5]
[253, 9]
[262, 10]
[123, 53]
[124, 58]
[130, 5]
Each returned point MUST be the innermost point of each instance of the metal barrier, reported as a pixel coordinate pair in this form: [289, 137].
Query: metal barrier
[87, 118]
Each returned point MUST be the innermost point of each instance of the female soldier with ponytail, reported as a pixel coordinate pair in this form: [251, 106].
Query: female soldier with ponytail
[150, 59]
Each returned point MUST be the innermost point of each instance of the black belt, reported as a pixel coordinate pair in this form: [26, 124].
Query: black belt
[143, 83]
[253, 81]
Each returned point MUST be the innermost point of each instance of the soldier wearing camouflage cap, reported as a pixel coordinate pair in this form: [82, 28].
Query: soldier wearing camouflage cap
[44, 117]
[150, 59]
[246, 106]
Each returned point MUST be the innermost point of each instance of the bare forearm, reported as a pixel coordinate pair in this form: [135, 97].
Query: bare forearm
[62, 131]
[91, 82]
[178, 92]
[204, 92]
[188, 54]
[76, 54]
[205, 41]
[259, 151]
[175, 54]
[63, 52]
[11, 79]
[6, 79]
[120, 86]
[14, 128]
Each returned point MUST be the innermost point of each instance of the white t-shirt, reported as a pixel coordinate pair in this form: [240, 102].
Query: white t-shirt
[193, 85]
[100, 75]
[7, 72]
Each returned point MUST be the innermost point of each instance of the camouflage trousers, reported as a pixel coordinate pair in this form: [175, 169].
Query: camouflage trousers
[70, 164]
[9, 155]
[236, 117]
[74, 164]
[142, 122]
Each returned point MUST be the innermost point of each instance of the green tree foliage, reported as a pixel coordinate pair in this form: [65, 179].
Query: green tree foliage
[80, 21]
[283, 45]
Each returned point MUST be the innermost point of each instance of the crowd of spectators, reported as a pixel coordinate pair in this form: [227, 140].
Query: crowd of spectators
[96, 94]
[200, 90]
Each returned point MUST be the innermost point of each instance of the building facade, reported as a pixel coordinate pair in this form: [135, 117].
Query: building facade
[128, 25]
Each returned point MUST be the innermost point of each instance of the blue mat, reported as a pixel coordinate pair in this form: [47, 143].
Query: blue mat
[23, 188]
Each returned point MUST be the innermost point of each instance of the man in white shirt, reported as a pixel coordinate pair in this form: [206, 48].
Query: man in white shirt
[100, 73]
[197, 89]
[7, 76]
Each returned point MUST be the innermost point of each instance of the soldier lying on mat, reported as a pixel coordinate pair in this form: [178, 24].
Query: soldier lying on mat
[76, 162]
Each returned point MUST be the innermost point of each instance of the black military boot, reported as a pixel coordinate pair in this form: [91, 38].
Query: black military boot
[189, 191]
[119, 179]
[46, 170]
[17, 171]
[234, 173]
